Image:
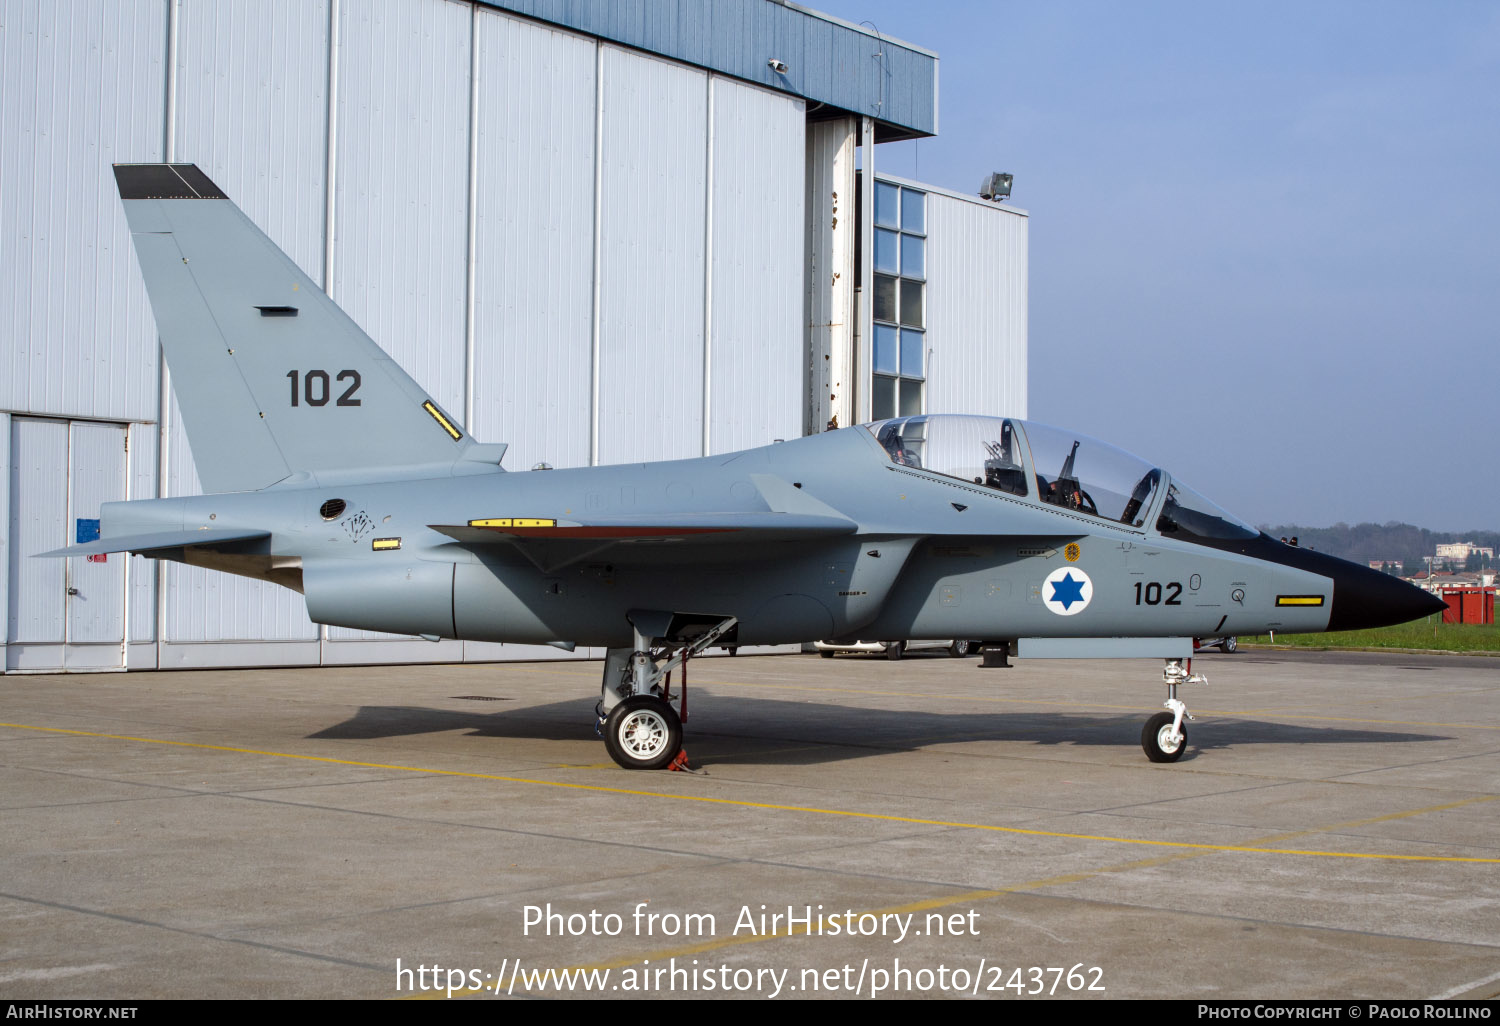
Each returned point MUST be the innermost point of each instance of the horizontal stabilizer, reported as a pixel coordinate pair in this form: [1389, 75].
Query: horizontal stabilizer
[146, 543]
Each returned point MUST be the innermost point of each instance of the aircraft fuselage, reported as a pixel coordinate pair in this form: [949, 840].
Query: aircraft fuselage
[926, 556]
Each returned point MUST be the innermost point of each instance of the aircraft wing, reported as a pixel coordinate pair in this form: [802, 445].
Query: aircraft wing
[148, 543]
[553, 544]
[700, 528]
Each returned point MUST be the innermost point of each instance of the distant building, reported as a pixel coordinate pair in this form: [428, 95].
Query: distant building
[1460, 551]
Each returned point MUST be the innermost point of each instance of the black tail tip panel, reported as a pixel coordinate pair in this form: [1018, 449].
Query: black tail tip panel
[165, 181]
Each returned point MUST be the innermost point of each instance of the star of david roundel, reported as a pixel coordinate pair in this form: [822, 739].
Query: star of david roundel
[1067, 591]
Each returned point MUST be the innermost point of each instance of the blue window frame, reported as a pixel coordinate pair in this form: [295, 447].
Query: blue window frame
[899, 338]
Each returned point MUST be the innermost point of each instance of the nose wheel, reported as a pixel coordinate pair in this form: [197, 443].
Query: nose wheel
[1164, 737]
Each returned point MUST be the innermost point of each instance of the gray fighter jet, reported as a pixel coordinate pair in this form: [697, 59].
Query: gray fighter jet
[329, 471]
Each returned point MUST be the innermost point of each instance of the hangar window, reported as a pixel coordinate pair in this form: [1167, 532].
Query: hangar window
[898, 306]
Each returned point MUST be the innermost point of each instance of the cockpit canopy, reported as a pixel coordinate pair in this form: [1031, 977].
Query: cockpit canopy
[1055, 467]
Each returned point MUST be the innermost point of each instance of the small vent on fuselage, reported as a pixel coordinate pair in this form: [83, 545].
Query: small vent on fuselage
[332, 509]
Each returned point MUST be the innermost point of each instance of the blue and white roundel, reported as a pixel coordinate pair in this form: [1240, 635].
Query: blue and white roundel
[1067, 590]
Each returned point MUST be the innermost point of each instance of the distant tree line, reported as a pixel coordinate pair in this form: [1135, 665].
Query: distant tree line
[1409, 546]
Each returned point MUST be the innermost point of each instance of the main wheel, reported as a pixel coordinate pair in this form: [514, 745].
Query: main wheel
[643, 732]
[1156, 739]
[1230, 645]
[825, 654]
[895, 650]
[958, 649]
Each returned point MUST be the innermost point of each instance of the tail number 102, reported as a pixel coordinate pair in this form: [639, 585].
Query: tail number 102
[314, 388]
[1151, 593]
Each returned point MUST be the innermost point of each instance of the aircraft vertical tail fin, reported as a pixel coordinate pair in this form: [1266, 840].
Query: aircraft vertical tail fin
[271, 376]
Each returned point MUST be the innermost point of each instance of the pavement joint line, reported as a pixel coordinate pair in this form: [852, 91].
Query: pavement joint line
[706, 800]
[138, 921]
[1460, 757]
[968, 897]
[1464, 988]
[176, 790]
[1485, 946]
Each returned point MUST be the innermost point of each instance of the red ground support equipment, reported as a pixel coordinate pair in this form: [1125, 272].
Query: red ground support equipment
[1469, 605]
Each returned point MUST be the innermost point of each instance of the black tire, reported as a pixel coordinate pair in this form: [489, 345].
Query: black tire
[1230, 645]
[1152, 739]
[895, 650]
[826, 654]
[643, 732]
[959, 649]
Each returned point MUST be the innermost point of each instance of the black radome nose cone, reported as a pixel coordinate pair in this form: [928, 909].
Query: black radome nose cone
[1362, 598]
[1365, 598]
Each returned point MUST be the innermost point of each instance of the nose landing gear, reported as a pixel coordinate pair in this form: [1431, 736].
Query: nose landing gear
[1164, 738]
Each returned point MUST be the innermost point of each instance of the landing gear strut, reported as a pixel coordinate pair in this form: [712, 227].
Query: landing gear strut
[635, 717]
[1164, 737]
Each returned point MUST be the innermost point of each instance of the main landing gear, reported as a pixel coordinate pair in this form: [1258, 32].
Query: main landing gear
[1164, 737]
[640, 728]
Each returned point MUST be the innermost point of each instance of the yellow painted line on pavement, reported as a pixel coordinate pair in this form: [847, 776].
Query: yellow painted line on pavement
[812, 810]
[933, 904]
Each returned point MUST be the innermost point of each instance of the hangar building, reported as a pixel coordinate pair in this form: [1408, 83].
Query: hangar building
[606, 231]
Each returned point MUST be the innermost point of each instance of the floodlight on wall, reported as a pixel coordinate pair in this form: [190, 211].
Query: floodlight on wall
[777, 66]
[996, 186]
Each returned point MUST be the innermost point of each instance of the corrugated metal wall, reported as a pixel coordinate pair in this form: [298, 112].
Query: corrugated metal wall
[62, 613]
[651, 246]
[400, 241]
[269, 97]
[756, 300]
[80, 87]
[143, 572]
[37, 587]
[251, 111]
[534, 221]
[976, 305]
[7, 533]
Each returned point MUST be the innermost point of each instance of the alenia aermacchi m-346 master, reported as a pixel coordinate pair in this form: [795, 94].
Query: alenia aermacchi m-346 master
[331, 472]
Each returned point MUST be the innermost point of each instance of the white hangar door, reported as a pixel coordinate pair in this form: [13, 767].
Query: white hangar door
[63, 614]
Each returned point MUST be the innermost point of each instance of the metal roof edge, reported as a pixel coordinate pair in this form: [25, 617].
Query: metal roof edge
[775, 44]
[881, 176]
[858, 28]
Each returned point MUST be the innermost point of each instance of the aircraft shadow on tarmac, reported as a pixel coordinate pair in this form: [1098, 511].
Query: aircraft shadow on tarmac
[726, 730]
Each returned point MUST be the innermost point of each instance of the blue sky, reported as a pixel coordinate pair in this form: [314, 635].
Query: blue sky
[1265, 238]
